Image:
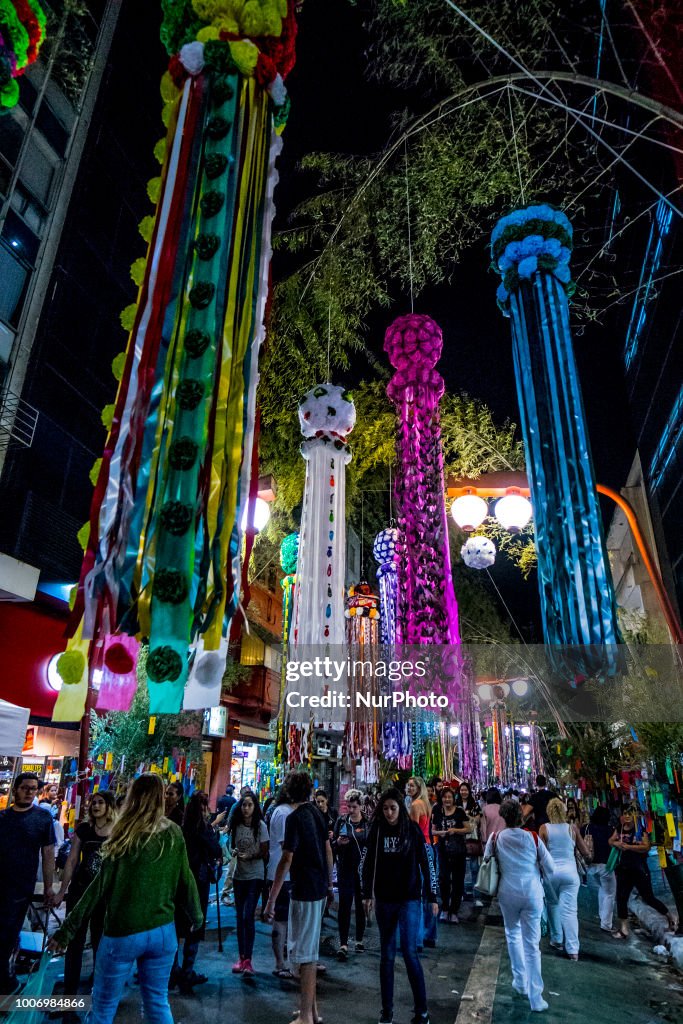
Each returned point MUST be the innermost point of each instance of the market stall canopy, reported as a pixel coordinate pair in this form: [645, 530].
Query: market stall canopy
[13, 724]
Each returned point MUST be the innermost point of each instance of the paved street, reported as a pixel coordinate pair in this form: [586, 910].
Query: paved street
[612, 981]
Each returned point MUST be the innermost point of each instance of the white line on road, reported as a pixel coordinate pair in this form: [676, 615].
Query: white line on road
[476, 1002]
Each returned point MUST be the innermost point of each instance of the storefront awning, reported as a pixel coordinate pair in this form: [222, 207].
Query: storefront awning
[13, 724]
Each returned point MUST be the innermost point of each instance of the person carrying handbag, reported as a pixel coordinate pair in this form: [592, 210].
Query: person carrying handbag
[632, 872]
[515, 859]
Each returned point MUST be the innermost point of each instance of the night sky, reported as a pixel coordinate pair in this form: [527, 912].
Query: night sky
[335, 109]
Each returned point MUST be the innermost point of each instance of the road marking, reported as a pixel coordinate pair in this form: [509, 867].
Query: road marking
[476, 1002]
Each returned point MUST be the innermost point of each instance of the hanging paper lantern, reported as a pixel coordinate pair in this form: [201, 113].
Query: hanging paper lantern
[478, 552]
[361, 602]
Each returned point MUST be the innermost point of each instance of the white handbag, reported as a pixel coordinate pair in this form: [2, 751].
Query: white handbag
[489, 874]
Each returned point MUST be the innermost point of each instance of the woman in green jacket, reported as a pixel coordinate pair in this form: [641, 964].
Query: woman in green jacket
[145, 883]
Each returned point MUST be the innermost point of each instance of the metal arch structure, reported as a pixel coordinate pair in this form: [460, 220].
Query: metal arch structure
[497, 83]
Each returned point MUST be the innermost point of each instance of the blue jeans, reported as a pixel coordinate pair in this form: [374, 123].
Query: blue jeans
[406, 918]
[154, 952]
[247, 894]
[472, 870]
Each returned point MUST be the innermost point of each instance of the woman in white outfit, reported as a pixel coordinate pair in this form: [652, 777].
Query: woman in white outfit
[562, 838]
[521, 860]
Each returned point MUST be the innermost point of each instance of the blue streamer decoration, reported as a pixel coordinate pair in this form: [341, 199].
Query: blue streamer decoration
[531, 250]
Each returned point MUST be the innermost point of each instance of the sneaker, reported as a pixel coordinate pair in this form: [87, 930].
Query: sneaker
[454, 919]
[420, 1018]
[540, 1007]
[444, 916]
[247, 968]
[342, 953]
[478, 903]
[238, 968]
[360, 947]
[386, 1017]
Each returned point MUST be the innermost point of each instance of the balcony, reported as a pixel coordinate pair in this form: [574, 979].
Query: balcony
[18, 421]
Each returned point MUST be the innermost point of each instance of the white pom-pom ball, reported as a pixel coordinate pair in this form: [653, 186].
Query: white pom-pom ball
[478, 552]
[192, 57]
[329, 409]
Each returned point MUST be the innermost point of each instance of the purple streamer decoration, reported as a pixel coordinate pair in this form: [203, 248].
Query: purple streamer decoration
[428, 611]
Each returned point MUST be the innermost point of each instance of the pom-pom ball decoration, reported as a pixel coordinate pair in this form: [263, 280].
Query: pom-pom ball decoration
[70, 666]
[185, 414]
[22, 33]
[478, 552]
[531, 249]
[327, 409]
[119, 673]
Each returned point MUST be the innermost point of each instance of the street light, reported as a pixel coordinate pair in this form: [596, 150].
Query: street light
[513, 512]
[469, 510]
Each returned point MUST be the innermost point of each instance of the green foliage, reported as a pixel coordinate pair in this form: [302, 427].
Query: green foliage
[125, 734]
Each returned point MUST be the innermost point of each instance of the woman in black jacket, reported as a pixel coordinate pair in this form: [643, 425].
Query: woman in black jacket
[205, 857]
[397, 874]
[348, 843]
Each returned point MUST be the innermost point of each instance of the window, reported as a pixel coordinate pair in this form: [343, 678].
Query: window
[53, 130]
[12, 130]
[18, 235]
[38, 168]
[14, 275]
[253, 650]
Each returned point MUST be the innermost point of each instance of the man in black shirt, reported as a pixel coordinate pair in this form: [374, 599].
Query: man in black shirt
[540, 800]
[26, 832]
[227, 801]
[307, 857]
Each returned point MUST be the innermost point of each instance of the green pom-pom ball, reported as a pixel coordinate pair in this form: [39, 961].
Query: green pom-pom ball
[211, 203]
[189, 393]
[163, 665]
[197, 342]
[176, 517]
[215, 164]
[170, 586]
[183, 453]
[70, 667]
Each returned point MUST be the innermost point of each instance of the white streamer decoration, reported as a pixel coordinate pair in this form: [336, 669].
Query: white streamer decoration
[327, 416]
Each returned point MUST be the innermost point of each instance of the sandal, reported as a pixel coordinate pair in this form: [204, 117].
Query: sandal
[297, 1014]
[285, 974]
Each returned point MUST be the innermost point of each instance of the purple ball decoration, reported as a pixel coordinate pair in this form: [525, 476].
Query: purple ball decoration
[413, 341]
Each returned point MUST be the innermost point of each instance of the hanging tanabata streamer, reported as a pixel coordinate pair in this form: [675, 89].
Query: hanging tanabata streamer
[427, 608]
[22, 33]
[384, 553]
[327, 416]
[362, 732]
[163, 547]
[289, 554]
[531, 249]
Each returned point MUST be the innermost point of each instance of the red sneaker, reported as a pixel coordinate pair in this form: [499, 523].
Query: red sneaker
[238, 968]
[247, 968]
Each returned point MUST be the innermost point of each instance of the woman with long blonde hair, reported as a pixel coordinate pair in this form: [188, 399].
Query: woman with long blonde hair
[562, 839]
[144, 882]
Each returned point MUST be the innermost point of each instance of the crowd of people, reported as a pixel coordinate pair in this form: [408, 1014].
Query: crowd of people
[139, 874]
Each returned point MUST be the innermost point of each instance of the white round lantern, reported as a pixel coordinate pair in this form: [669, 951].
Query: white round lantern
[261, 515]
[520, 688]
[469, 511]
[478, 552]
[513, 512]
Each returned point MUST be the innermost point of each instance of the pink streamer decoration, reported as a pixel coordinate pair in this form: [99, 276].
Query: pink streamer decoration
[117, 688]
